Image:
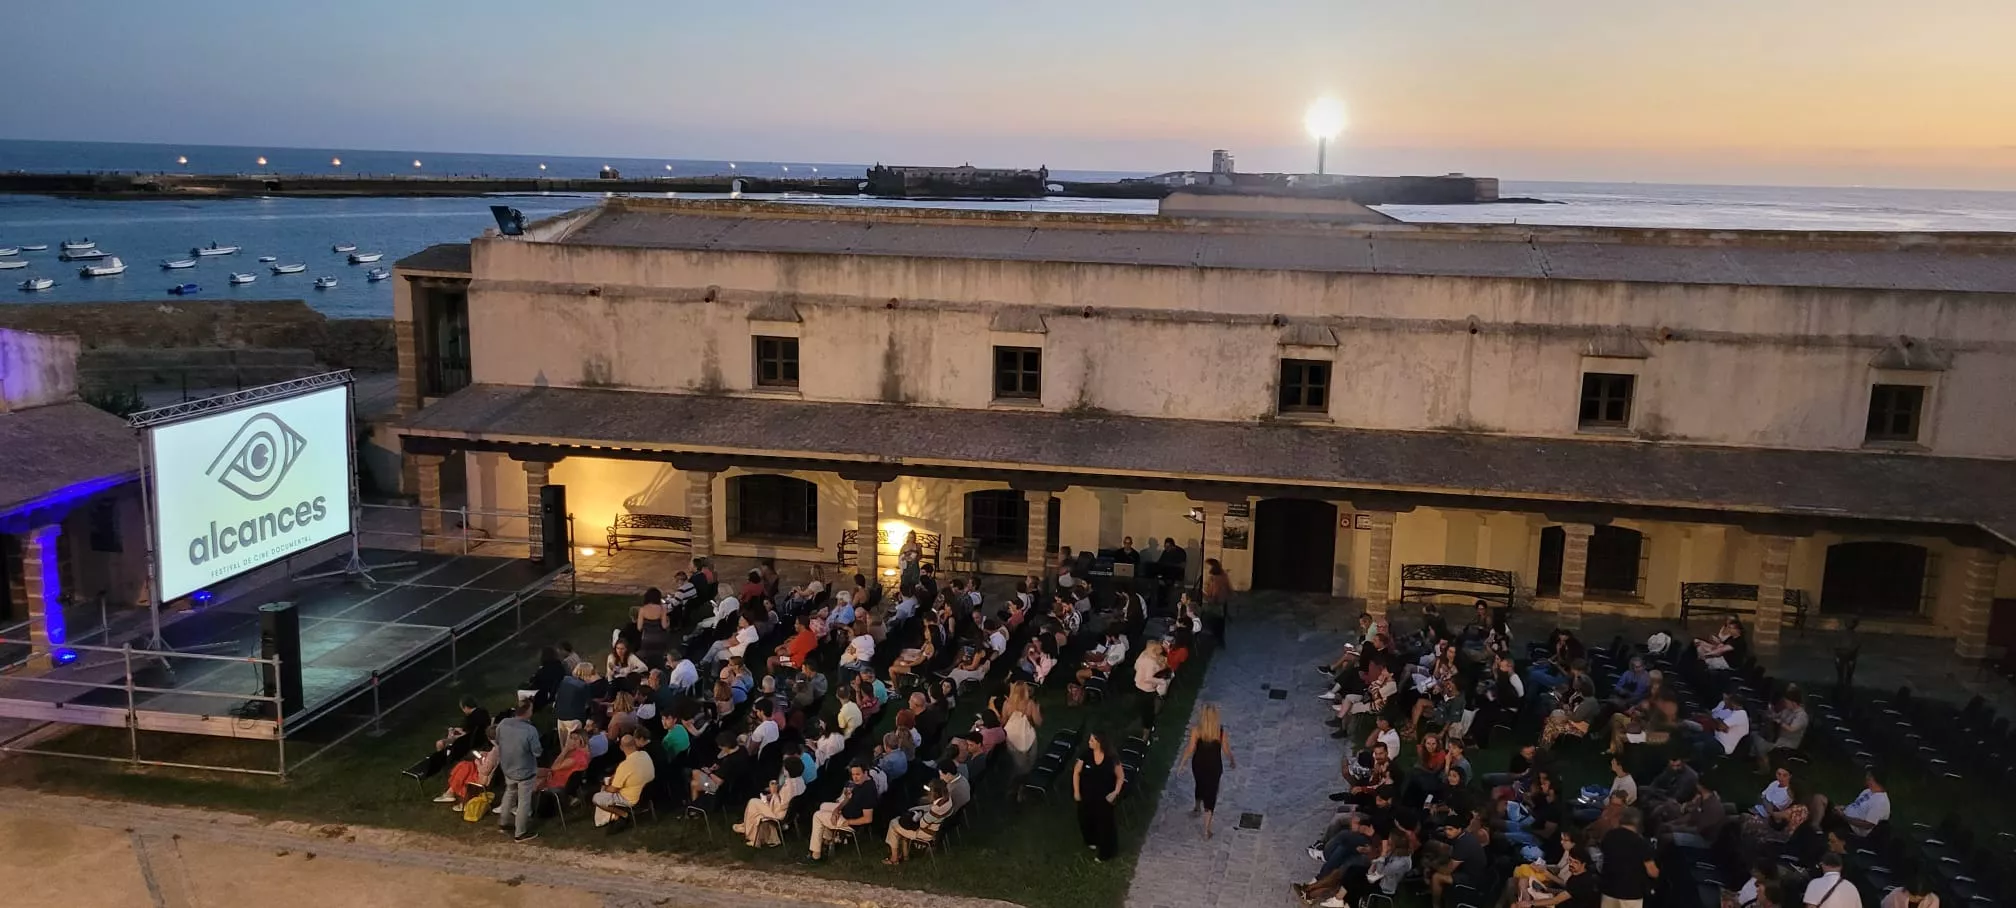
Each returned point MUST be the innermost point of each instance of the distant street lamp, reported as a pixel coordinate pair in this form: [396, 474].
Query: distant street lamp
[335, 162]
[1324, 121]
[416, 163]
[542, 167]
[182, 160]
[262, 160]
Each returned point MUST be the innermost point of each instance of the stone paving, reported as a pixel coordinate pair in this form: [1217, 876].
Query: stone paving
[1285, 766]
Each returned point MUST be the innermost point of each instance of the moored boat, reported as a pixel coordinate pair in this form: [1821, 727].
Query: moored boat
[365, 258]
[324, 283]
[10, 250]
[109, 269]
[377, 274]
[82, 255]
[214, 249]
[74, 245]
[185, 289]
[178, 264]
[296, 268]
[343, 247]
[11, 264]
[37, 283]
[264, 259]
[35, 247]
[240, 277]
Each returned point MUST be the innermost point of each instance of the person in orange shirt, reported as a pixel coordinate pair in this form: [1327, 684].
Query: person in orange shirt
[794, 652]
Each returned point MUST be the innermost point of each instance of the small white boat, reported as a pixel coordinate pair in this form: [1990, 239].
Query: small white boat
[85, 243]
[178, 264]
[289, 269]
[35, 247]
[365, 258]
[10, 250]
[37, 283]
[265, 259]
[377, 274]
[240, 277]
[109, 269]
[343, 247]
[82, 255]
[214, 249]
[11, 264]
[324, 283]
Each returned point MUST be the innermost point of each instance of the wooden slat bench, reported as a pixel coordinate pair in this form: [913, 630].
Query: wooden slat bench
[672, 530]
[1736, 599]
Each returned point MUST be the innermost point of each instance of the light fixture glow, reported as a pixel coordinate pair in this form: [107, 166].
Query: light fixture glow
[668, 167]
[888, 572]
[542, 167]
[1325, 118]
[335, 162]
[587, 551]
[416, 162]
[183, 160]
[262, 161]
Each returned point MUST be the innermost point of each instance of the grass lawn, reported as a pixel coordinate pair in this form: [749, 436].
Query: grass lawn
[1030, 854]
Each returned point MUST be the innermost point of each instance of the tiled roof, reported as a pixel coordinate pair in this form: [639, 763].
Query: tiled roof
[45, 450]
[1964, 264]
[448, 258]
[1820, 484]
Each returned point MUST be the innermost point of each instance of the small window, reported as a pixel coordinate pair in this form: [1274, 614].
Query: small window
[1305, 386]
[1894, 412]
[768, 506]
[1018, 373]
[776, 362]
[1606, 400]
[999, 520]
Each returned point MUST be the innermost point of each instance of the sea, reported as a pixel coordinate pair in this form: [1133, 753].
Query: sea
[147, 232]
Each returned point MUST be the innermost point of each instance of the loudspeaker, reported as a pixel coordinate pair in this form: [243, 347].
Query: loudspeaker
[556, 549]
[280, 638]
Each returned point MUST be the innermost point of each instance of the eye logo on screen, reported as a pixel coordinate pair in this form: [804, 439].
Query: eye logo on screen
[258, 457]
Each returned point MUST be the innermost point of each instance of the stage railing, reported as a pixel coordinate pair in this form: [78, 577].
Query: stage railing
[466, 538]
[267, 667]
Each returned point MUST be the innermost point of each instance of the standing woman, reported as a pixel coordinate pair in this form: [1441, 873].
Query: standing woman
[654, 628]
[1207, 752]
[1217, 592]
[1151, 681]
[1096, 783]
[1020, 717]
[909, 561]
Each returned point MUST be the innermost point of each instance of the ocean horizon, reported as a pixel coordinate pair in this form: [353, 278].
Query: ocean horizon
[146, 232]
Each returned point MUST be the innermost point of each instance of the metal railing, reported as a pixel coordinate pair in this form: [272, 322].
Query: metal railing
[132, 690]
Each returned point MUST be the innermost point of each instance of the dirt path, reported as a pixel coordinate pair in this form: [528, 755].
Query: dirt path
[103, 854]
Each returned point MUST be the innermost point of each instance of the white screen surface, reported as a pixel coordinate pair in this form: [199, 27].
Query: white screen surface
[241, 488]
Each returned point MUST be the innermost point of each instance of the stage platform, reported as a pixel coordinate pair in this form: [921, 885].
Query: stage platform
[350, 631]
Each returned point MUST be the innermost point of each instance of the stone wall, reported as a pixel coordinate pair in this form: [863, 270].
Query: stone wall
[36, 369]
[364, 345]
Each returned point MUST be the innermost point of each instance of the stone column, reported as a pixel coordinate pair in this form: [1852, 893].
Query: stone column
[1574, 573]
[1776, 564]
[44, 588]
[1977, 598]
[427, 473]
[1379, 564]
[1039, 555]
[867, 528]
[1211, 542]
[700, 510]
[407, 344]
[537, 472]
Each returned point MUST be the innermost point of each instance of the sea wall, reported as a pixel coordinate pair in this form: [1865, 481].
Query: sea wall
[36, 369]
[205, 343]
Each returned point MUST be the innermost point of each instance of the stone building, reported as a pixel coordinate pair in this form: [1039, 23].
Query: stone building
[1598, 416]
[71, 530]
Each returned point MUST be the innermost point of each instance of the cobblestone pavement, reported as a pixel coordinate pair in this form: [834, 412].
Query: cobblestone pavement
[1285, 766]
[164, 857]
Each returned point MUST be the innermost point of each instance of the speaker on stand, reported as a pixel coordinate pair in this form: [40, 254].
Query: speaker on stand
[280, 638]
[556, 548]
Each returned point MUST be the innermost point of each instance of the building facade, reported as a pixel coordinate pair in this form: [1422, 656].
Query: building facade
[1603, 415]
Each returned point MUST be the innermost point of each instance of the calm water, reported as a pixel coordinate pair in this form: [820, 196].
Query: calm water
[144, 233]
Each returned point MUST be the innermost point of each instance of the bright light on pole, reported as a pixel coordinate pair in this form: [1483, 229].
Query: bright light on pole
[1324, 121]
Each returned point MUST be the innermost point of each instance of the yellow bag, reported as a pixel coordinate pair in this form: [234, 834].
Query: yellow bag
[474, 809]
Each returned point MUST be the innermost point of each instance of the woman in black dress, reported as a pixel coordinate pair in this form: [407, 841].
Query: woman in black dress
[1096, 781]
[1207, 752]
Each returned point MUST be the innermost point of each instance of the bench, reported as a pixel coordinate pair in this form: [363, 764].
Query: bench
[1736, 599]
[1427, 581]
[667, 528]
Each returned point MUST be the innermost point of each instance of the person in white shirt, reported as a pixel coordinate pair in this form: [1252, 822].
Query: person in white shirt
[998, 640]
[1870, 807]
[723, 610]
[1732, 723]
[745, 635]
[684, 675]
[623, 664]
[828, 746]
[906, 608]
[860, 657]
[763, 734]
[1829, 890]
[1151, 679]
[1777, 796]
[773, 804]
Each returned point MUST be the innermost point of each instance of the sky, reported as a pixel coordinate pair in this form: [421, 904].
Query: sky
[1810, 92]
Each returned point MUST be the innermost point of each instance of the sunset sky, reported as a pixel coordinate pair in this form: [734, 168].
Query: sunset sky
[1781, 91]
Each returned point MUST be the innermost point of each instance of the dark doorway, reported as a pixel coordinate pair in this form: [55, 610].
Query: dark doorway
[1875, 578]
[1547, 580]
[1614, 567]
[1294, 545]
[12, 588]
